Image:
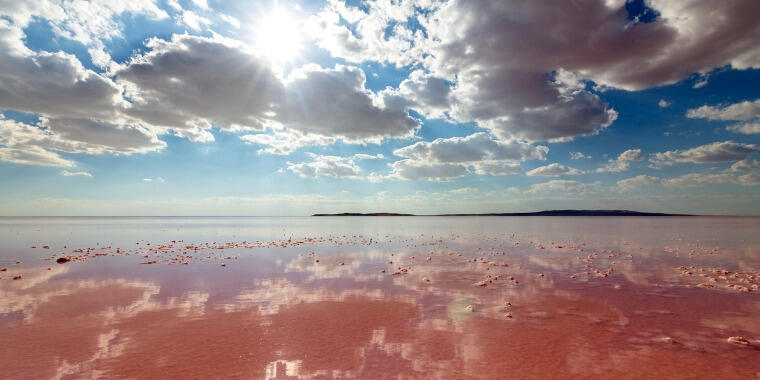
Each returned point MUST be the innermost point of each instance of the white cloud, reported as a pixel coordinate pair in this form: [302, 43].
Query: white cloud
[202, 4]
[80, 110]
[512, 69]
[553, 170]
[446, 158]
[471, 61]
[750, 179]
[54, 84]
[476, 147]
[174, 4]
[702, 82]
[326, 166]
[81, 21]
[497, 167]
[412, 170]
[562, 186]
[367, 40]
[464, 190]
[745, 165]
[698, 179]
[747, 111]
[622, 162]
[191, 81]
[583, 114]
[749, 128]
[34, 155]
[37, 145]
[725, 151]
[630, 184]
[664, 103]
[230, 20]
[363, 156]
[66, 173]
[578, 155]
[193, 20]
[88, 22]
[154, 180]
[423, 92]
[742, 111]
[284, 142]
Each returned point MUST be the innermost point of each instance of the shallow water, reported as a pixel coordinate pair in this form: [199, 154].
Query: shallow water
[380, 297]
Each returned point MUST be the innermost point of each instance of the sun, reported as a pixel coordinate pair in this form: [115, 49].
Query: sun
[278, 36]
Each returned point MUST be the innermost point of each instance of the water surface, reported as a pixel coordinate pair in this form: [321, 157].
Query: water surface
[380, 297]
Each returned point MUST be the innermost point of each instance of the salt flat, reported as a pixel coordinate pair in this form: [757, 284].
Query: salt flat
[380, 297]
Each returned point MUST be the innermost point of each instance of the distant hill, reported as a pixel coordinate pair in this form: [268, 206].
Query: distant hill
[365, 214]
[538, 213]
[573, 213]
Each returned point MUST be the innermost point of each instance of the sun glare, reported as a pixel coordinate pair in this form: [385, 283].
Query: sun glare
[278, 36]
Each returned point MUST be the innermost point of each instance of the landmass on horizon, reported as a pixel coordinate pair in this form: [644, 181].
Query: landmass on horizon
[537, 213]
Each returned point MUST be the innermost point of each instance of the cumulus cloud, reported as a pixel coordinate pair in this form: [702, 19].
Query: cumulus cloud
[508, 66]
[664, 103]
[424, 93]
[562, 186]
[80, 111]
[553, 170]
[630, 184]
[39, 144]
[90, 23]
[693, 179]
[284, 142]
[190, 81]
[54, 84]
[750, 179]
[747, 111]
[411, 170]
[193, 21]
[583, 114]
[742, 111]
[464, 190]
[622, 162]
[476, 147]
[66, 173]
[697, 179]
[326, 166]
[34, 155]
[367, 38]
[335, 102]
[497, 167]
[230, 20]
[363, 156]
[725, 151]
[750, 128]
[185, 86]
[745, 165]
[511, 68]
[446, 158]
[578, 155]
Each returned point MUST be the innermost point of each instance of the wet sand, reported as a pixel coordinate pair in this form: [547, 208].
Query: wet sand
[369, 298]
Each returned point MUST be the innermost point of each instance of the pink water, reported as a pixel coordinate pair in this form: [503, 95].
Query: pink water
[377, 298]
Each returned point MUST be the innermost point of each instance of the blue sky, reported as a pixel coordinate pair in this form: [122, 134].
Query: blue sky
[207, 107]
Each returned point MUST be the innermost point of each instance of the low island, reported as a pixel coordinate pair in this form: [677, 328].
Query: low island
[537, 213]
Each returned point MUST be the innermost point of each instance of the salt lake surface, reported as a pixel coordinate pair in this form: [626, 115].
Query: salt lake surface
[380, 297]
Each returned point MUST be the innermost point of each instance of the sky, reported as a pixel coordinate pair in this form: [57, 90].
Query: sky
[206, 107]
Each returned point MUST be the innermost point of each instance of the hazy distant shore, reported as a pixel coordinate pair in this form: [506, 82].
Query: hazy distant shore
[537, 213]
